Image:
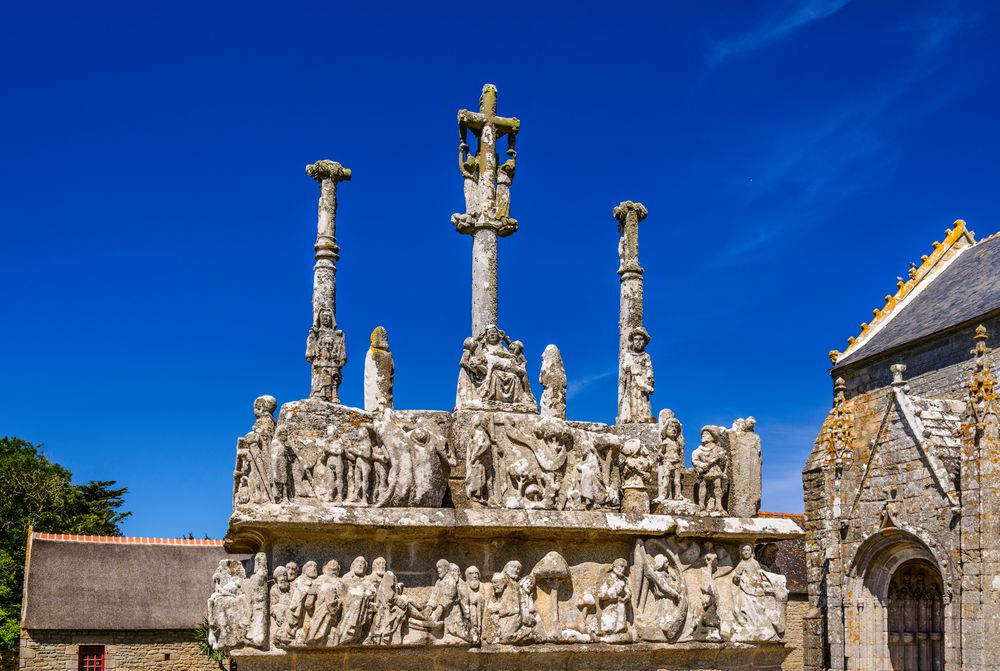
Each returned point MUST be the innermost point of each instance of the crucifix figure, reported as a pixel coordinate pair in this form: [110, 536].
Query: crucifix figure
[487, 199]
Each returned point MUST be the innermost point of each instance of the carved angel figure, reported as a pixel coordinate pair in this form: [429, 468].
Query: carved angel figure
[662, 603]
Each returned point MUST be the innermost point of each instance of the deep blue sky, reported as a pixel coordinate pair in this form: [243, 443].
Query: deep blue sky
[157, 222]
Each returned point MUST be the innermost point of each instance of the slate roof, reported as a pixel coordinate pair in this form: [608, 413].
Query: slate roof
[968, 288]
[117, 583]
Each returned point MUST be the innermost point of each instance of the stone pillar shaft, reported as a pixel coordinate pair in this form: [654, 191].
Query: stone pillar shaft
[328, 174]
[484, 279]
[629, 215]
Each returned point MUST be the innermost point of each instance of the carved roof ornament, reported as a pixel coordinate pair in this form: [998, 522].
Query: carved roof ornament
[956, 238]
[839, 430]
[982, 383]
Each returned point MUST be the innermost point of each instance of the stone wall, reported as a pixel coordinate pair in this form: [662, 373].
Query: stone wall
[798, 604]
[125, 650]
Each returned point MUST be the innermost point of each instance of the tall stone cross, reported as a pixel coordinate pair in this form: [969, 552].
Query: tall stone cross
[484, 224]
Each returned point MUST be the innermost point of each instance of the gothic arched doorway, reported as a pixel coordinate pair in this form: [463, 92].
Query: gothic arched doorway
[915, 618]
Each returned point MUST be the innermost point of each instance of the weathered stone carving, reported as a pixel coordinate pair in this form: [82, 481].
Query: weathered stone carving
[443, 612]
[708, 622]
[669, 458]
[553, 380]
[493, 374]
[252, 475]
[280, 594]
[326, 351]
[661, 600]
[472, 600]
[757, 603]
[614, 596]
[744, 469]
[512, 610]
[637, 466]
[419, 461]
[237, 608]
[636, 380]
[379, 372]
[711, 464]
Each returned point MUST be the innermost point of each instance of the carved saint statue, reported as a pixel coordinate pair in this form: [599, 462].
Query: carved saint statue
[511, 611]
[251, 478]
[472, 599]
[614, 597]
[505, 177]
[326, 352]
[636, 380]
[379, 372]
[553, 380]
[710, 461]
[669, 457]
[662, 604]
[280, 594]
[750, 607]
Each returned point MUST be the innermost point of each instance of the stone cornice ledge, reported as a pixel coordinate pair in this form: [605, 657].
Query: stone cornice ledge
[408, 523]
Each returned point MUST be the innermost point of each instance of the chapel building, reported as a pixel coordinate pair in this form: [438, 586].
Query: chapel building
[902, 487]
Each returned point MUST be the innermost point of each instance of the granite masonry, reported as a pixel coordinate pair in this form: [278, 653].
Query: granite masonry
[902, 488]
[498, 534]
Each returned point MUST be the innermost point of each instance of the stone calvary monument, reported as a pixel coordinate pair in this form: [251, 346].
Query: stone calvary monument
[500, 534]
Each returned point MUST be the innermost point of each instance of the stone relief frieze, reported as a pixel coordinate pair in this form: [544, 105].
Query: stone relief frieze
[669, 591]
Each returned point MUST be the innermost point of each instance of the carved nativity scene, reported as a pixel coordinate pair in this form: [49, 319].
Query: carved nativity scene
[500, 531]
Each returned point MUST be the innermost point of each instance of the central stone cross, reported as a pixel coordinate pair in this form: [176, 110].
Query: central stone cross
[486, 223]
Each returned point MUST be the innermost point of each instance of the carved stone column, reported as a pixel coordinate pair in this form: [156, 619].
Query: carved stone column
[629, 215]
[325, 348]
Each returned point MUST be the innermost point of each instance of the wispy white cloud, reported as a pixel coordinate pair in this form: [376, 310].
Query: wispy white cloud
[775, 28]
[575, 386]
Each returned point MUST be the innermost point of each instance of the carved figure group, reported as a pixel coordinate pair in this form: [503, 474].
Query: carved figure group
[237, 608]
[493, 374]
[533, 462]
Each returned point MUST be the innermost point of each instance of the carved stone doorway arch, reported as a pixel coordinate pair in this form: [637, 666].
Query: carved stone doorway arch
[882, 625]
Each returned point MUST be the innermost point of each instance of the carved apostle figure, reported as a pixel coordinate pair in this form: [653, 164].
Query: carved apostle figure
[553, 380]
[669, 457]
[662, 600]
[279, 596]
[252, 455]
[636, 380]
[302, 602]
[472, 598]
[512, 622]
[379, 372]
[357, 593]
[443, 609]
[614, 596]
[710, 462]
[751, 621]
[479, 463]
[326, 353]
[326, 607]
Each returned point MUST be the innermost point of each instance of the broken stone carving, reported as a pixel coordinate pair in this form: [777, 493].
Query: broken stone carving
[669, 458]
[711, 464]
[636, 380]
[379, 372]
[744, 469]
[553, 380]
[493, 374]
[237, 608]
[252, 476]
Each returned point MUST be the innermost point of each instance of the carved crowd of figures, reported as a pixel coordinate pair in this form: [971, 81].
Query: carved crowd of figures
[672, 591]
[531, 462]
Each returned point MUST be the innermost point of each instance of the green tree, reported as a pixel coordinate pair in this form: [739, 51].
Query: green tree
[38, 493]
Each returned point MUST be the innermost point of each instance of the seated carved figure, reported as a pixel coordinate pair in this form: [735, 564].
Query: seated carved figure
[493, 376]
